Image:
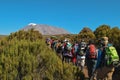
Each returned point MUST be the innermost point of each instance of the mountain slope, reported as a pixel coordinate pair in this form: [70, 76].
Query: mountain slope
[46, 29]
[2, 36]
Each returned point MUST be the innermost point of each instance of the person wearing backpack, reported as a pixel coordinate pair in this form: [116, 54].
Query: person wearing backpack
[81, 55]
[109, 57]
[59, 48]
[74, 52]
[91, 59]
[67, 55]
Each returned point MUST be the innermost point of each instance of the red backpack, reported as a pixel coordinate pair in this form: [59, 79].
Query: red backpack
[92, 52]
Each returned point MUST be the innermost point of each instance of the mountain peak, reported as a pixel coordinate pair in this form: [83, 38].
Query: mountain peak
[45, 29]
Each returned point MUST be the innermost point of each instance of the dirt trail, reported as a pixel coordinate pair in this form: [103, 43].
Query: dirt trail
[85, 71]
[116, 75]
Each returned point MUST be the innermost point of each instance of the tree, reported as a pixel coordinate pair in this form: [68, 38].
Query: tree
[102, 31]
[86, 34]
[114, 37]
[31, 35]
[29, 58]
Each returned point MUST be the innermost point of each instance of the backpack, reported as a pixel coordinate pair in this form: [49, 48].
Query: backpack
[92, 52]
[112, 56]
[76, 48]
[81, 49]
[59, 47]
[99, 58]
[67, 47]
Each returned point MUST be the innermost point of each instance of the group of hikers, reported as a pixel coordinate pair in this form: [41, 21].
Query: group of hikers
[100, 60]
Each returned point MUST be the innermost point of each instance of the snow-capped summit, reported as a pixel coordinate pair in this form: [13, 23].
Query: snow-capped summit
[32, 24]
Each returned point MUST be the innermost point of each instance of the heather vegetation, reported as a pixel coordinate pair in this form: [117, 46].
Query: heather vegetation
[25, 56]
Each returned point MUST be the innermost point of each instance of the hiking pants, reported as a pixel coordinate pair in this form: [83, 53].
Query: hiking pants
[91, 65]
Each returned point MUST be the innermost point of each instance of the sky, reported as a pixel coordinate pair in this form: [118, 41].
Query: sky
[71, 15]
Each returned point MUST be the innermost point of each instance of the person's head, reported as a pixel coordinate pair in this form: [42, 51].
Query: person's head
[104, 40]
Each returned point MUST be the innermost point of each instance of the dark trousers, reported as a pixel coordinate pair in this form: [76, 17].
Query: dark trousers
[91, 65]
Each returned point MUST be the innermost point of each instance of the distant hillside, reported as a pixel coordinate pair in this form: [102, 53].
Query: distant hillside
[46, 29]
[3, 35]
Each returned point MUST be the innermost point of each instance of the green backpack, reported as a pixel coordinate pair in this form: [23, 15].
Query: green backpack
[112, 56]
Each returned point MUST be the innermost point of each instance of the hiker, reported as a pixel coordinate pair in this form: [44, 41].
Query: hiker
[59, 48]
[48, 42]
[106, 65]
[74, 52]
[91, 59]
[81, 55]
[54, 45]
[67, 55]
